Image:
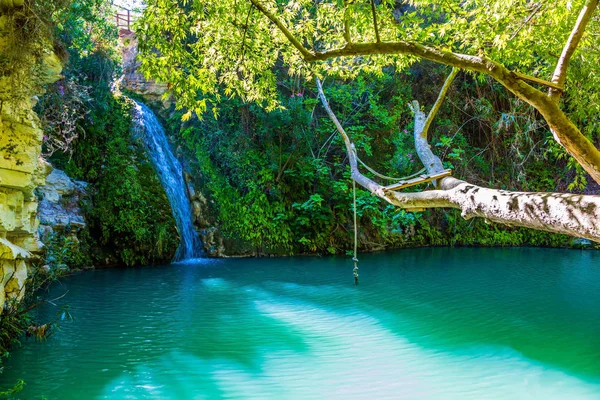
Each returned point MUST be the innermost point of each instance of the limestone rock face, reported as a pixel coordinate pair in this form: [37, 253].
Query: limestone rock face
[22, 170]
[59, 204]
[57, 185]
[132, 79]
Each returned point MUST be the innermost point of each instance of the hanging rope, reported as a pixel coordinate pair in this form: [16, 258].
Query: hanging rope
[371, 170]
[355, 258]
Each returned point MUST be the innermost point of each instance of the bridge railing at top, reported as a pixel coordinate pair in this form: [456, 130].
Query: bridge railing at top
[124, 19]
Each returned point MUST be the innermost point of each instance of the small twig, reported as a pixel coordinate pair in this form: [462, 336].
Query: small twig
[246, 27]
[529, 154]
[552, 85]
[536, 9]
[39, 303]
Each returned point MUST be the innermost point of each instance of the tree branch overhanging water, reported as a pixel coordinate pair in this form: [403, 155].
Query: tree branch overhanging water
[566, 213]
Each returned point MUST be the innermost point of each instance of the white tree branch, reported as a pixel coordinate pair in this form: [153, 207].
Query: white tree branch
[431, 162]
[566, 213]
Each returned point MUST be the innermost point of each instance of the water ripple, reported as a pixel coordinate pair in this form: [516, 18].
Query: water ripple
[423, 324]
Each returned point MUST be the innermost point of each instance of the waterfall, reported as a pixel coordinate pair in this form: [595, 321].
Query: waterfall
[170, 174]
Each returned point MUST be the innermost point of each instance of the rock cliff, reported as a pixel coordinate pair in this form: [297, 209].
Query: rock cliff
[59, 206]
[22, 169]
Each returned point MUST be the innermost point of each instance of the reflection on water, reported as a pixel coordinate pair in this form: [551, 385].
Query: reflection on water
[423, 324]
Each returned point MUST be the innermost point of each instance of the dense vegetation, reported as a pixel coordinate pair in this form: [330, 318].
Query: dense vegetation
[128, 215]
[257, 142]
[279, 179]
[89, 136]
[277, 176]
[514, 45]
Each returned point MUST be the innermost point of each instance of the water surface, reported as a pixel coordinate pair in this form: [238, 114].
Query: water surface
[422, 324]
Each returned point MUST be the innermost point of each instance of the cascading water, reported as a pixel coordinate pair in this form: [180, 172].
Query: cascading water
[170, 173]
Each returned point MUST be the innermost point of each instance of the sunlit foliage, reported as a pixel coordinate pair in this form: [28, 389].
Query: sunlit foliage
[205, 49]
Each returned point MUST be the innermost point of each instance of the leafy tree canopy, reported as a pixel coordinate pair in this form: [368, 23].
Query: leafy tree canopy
[201, 46]
[233, 47]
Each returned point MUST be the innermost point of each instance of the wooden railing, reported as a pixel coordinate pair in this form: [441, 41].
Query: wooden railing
[125, 19]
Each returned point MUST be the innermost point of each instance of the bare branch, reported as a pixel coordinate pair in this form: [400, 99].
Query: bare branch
[566, 213]
[536, 8]
[571, 214]
[377, 39]
[430, 161]
[439, 101]
[560, 72]
[305, 53]
[432, 198]
[356, 175]
[347, 22]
